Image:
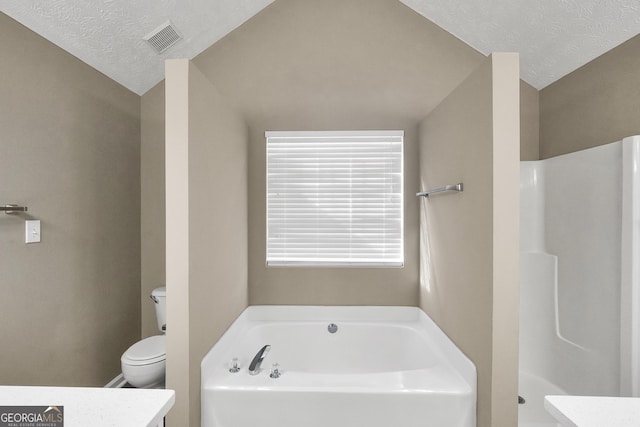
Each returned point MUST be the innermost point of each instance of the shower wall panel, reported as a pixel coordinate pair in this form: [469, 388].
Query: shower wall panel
[583, 200]
[580, 273]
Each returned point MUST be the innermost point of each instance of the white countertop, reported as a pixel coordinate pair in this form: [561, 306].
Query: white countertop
[96, 407]
[593, 411]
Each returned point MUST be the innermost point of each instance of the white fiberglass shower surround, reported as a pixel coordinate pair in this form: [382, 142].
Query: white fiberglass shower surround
[580, 277]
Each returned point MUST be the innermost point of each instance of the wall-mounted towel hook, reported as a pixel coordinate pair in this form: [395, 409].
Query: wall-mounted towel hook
[456, 187]
[11, 208]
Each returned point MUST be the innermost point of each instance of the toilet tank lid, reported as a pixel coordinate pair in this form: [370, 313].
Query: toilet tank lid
[160, 292]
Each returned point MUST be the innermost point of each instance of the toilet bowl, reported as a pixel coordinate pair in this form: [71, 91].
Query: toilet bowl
[143, 364]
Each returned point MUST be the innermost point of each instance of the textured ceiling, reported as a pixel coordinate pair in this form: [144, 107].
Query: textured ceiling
[108, 34]
[554, 37]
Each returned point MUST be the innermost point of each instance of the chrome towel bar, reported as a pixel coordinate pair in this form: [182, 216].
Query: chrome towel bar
[456, 187]
[11, 208]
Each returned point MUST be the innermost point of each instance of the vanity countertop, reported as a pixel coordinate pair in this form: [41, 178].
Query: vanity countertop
[594, 411]
[96, 407]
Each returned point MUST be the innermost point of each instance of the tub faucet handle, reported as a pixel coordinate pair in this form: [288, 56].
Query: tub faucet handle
[235, 365]
[275, 371]
[254, 367]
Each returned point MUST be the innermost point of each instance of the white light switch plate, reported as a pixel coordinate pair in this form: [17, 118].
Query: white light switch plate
[32, 231]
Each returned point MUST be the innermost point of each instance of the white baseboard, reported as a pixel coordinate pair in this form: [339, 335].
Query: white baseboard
[117, 382]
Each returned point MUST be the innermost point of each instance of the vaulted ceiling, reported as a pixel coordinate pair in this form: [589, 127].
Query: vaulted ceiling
[553, 37]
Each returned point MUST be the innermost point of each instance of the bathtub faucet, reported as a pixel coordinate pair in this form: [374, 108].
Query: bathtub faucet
[254, 367]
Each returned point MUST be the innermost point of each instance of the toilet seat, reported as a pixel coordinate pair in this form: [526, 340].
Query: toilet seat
[146, 352]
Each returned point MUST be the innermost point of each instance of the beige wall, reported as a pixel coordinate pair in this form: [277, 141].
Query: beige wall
[177, 237]
[326, 65]
[597, 104]
[206, 169]
[320, 62]
[529, 122]
[469, 240]
[333, 286]
[69, 150]
[506, 239]
[152, 212]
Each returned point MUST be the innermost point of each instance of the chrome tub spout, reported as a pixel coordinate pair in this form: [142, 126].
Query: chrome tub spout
[254, 367]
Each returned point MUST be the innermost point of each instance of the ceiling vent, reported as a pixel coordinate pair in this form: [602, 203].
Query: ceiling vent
[163, 37]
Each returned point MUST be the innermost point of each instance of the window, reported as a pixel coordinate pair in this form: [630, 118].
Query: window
[335, 198]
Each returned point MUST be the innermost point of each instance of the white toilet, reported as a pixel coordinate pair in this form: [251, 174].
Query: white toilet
[143, 364]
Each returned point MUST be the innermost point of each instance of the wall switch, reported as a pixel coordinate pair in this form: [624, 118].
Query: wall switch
[32, 231]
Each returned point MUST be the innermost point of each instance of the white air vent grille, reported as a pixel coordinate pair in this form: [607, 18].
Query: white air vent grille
[163, 37]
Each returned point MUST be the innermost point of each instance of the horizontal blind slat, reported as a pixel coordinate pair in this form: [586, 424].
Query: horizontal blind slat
[334, 199]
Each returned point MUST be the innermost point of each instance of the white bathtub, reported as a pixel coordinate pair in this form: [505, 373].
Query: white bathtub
[385, 366]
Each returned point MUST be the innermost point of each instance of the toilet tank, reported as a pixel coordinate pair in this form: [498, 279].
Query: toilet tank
[159, 297]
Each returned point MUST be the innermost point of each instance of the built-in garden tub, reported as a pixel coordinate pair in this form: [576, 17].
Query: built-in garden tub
[337, 366]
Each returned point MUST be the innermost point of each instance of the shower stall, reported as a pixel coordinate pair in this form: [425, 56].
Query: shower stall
[579, 277]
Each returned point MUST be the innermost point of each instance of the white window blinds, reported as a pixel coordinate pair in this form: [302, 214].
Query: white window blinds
[335, 198]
